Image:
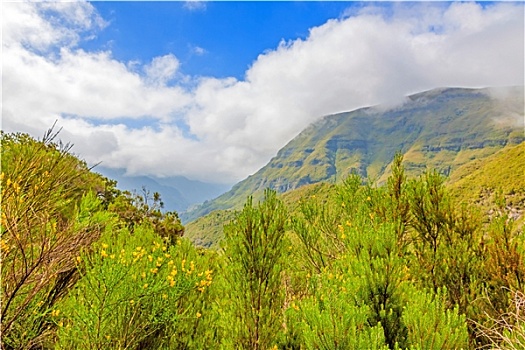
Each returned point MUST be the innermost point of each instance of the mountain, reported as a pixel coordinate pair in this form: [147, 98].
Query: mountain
[502, 175]
[178, 193]
[207, 231]
[442, 129]
[477, 183]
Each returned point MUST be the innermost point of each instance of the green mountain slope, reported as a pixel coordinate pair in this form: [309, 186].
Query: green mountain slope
[207, 231]
[441, 129]
[477, 183]
[500, 176]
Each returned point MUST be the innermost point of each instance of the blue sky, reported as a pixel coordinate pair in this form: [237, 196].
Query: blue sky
[219, 39]
[212, 90]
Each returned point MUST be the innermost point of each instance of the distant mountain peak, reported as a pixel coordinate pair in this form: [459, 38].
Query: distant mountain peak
[442, 128]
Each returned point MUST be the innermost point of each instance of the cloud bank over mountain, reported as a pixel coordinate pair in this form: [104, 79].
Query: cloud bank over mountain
[151, 119]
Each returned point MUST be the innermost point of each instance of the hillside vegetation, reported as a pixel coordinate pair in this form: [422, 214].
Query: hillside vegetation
[207, 231]
[500, 176]
[441, 129]
[484, 183]
[346, 266]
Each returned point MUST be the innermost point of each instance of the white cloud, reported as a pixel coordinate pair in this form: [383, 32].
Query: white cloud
[195, 5]
[43, 24]
[199, 51]
[162, 69]
[225, 129]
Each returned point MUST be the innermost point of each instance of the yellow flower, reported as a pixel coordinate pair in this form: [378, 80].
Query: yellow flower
[103, 254]
[104, 246]
[154, 271]
[132, 301]
[4, 247]
[79, 259]
[164, 296]
[145, 286]
[198, 314]
[55, 313]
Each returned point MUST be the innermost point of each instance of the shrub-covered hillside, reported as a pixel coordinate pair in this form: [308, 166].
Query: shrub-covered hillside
[500, 176]
[400, 266]
[440, 129]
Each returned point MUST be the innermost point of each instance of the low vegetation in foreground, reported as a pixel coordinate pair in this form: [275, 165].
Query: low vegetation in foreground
[398, 266]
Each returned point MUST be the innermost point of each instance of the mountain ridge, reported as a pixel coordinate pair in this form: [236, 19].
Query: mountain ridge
[442, 128]
[178, 192]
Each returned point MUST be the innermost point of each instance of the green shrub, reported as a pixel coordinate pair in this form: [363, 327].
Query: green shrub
[131, 295]
[431, 325]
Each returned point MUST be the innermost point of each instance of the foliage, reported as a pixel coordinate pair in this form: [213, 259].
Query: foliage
[134, 293]
[483, 180]
[493, 184]
[254, 247]
[46, 220]
[396, 265]
[53, 210]
[135, 209]
[207, 231]
[431, 325]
